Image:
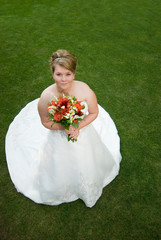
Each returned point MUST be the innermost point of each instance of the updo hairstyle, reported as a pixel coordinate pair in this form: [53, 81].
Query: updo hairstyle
[63, 58]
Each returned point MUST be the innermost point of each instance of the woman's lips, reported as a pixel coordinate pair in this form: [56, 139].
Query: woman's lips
[63, 83]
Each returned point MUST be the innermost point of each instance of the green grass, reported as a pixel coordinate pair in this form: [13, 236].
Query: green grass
[117, 44]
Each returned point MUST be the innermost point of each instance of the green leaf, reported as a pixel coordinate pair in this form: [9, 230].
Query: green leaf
[79, 119]
[52, 124]
[76, 125]
[51, 117]
[70, 139]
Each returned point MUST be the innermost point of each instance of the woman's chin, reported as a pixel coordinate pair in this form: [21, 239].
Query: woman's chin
[65, 86]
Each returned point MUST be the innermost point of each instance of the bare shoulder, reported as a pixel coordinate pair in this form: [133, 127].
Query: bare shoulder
[46, 96]
[87, 94]
[49, 91]
[81, 84]
[86, 91]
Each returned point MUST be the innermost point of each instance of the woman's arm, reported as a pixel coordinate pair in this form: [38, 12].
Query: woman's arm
[92, 108]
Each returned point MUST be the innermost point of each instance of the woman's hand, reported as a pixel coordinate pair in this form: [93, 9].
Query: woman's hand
[73, 132]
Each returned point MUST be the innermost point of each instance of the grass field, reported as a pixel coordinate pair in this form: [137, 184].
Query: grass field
[117, 46]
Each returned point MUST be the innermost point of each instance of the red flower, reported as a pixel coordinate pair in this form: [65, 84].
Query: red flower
[79, 113]
[78, 106]
[64, 111]
[53, 103]
[75, 120]
[63, 102]
[58, 116]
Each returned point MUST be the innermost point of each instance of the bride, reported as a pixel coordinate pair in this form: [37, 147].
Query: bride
[43, 165]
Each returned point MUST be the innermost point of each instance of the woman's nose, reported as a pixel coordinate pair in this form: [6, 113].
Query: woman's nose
[63, 77]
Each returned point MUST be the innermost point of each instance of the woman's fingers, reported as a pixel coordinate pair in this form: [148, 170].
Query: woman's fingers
[73, 132]
[72, 129]
[67, 131]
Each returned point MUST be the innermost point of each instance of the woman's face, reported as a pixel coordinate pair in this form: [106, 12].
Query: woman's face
[63, 77]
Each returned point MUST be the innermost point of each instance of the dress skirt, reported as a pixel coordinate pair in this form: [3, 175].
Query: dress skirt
[48, 169]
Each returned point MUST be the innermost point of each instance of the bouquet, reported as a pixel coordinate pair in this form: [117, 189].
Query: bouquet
[67, 111]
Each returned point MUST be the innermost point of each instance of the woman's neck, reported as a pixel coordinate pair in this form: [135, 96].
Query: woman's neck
[67, 91]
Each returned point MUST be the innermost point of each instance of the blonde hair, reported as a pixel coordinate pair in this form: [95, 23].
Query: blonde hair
[63, 58]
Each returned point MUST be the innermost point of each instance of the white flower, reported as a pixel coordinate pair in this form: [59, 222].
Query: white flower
[56, 99]
[71, 119]
[72, 112]
[76, 116]
[52, 107]
[67, 116]
[74, 108]
[51, 111]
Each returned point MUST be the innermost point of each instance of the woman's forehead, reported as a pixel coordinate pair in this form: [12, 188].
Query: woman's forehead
[62, 69]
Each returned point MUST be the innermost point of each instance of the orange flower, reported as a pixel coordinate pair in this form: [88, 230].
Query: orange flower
[58, 116]
[78, 106]
[53, 103]
[64, 111]
[63, 102]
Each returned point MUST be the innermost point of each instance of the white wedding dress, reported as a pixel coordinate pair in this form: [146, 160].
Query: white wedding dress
[48, 169]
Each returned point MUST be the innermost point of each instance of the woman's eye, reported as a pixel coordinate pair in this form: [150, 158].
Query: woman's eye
[68, 74]
[58, 74]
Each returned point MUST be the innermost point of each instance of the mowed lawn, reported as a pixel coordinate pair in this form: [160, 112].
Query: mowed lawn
[117, 44]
